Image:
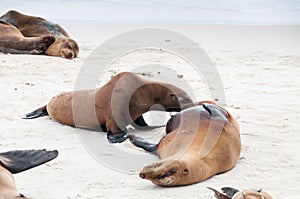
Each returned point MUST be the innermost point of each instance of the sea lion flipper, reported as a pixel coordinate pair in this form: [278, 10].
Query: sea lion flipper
[37, 113]
[117, 137]
[219, 195]
[141, 124]
[141, 143]
[21, 160]
[229, 191]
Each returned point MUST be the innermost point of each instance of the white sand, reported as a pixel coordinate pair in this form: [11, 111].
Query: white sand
[260, 70]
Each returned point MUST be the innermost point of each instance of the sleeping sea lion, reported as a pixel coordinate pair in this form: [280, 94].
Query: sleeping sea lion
[12, 41]
[112, 107]
[231, 193]
[31, 26]
[201, 141]
[17, 161]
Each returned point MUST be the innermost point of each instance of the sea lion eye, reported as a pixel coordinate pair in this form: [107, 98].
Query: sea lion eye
[68, 46]
[163, 176]
[174, 97]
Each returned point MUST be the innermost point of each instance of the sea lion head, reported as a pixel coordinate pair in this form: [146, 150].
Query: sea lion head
[174, 98]
[63, 47]
[166, 173]
[231, 193]
[251, 194]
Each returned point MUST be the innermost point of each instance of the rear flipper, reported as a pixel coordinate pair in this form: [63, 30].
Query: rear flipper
[37, 113]
[141, 143]
[21, 160]
[141, 124]
[219, 195]
[229, 191]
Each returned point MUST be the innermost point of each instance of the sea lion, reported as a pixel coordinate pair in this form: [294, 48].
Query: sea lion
[17, 161]
[231, 193]
[112, 107]
[201, 141]
[12, 41]
[31, 26]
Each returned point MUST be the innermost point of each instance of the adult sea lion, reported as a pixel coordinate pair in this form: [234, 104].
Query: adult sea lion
[201, 141]
[12, 41]
[231, 193]
[31, 26]
[112, 107]
[17, 161]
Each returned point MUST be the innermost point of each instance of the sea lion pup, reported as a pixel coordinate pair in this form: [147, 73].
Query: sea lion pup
[12, 41]
[115, 105]
[231, 193]
[31, 26]
[201, 141]
[17, 161]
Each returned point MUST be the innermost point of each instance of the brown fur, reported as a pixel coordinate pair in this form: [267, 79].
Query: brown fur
[12, 41]
[106, 106]
[8, 189]
[192, 151]
[31, 26]
[250, 194]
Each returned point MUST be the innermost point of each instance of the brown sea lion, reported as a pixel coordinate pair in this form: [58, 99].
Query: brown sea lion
[17, 161]
[231, 193]
[201, 141]
[31, 26]
[12, 41]
[112, 107]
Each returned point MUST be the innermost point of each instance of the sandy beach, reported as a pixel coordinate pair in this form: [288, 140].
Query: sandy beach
[259, 68]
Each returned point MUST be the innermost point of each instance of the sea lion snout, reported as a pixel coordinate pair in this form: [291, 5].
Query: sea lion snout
[164, 173]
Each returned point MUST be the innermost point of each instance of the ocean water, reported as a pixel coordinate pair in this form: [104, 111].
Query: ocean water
[242, 12]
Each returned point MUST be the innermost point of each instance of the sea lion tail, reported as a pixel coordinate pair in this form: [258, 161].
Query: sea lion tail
[37, 113]
[219, 195]
[21, 160]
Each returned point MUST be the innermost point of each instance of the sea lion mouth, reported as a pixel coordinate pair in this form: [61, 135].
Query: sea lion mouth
[173, 109]
[160, 174]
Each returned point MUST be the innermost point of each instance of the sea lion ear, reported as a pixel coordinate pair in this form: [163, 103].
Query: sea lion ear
[185, 171]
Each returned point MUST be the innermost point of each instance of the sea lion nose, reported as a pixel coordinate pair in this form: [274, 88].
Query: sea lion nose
[70, 55]
[142, 175]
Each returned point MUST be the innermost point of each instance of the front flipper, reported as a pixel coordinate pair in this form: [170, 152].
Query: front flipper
[219, 195]
[141, 143]
[140, 124]
[21, 160]
[117, 137]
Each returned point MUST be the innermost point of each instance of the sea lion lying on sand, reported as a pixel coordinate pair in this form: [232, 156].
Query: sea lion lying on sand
[12, 41]
[201, 141]
[17, 161]
[231, 193]
[31, 26]
[120, 102]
